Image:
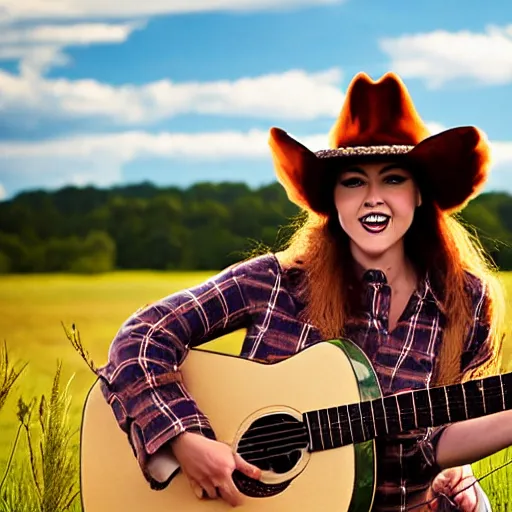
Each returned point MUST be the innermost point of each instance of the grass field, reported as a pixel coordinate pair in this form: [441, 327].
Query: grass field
[31, 311]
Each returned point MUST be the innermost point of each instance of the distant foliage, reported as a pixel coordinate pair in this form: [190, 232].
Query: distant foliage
[205, 227]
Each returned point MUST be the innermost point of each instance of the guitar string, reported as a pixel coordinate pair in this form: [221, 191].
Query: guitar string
[404, 411]
[296, 428]
[437, 497]
[253, 432]
[441, 495]
[450, 498]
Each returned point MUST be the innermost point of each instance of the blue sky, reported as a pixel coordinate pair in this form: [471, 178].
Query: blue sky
[179, 91]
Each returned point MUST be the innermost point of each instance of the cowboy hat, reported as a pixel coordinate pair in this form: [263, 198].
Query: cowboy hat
[378, 121]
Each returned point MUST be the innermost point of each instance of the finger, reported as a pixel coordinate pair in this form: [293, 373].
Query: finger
[230, 493]
[209, 490]
[440, 484]
[246, 468]
[466, 500]
[196, 488]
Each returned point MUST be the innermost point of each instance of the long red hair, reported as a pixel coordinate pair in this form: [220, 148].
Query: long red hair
[437, 244]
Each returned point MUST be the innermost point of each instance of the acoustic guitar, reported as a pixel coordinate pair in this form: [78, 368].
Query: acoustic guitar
[309, 422]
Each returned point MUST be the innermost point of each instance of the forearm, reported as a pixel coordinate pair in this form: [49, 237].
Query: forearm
[469, 441]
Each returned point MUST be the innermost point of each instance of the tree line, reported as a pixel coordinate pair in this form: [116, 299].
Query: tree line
[204, 227]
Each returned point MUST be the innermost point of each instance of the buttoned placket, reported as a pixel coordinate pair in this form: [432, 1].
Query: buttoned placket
[378, 299]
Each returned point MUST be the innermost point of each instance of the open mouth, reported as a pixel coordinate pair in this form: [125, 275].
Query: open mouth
[375, 222]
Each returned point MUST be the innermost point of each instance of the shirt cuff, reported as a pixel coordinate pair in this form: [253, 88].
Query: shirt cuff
[428, 447]
[152, 417]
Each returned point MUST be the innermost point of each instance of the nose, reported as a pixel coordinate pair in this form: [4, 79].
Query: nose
[373, 197]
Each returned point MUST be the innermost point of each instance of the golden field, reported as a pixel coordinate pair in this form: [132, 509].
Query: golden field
[33, 308]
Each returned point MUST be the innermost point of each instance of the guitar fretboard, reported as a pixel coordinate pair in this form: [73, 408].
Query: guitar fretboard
[430, 407]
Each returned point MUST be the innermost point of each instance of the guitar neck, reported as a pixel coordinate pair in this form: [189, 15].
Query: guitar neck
[430, 407]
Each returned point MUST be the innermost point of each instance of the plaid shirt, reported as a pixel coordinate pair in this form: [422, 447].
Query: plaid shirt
[152, 406]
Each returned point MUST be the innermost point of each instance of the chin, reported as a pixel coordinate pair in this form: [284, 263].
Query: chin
[375, 249]
[373, 253]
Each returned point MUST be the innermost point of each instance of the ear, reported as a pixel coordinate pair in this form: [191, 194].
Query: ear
[418, 198]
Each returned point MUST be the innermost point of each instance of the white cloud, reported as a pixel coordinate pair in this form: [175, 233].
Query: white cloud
[435, 127]
[40, 47]
[68, 9]
[3, 193]
[73, 34]
[99, 159]
[293, 94]
[440, 56]
[502, 154]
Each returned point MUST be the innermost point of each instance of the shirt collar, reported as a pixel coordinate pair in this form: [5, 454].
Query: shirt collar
[424, 290]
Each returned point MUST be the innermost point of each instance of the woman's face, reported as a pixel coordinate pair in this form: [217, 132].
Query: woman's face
[375, 204]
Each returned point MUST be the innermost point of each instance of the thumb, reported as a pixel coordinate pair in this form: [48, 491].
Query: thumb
[246, 468]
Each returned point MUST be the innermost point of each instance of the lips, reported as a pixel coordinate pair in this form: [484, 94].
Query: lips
[375, 222]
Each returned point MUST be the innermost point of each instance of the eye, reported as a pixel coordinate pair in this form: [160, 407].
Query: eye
[395, 179]
[352, 182]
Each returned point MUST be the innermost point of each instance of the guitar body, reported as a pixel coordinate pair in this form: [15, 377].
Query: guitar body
[234, 393]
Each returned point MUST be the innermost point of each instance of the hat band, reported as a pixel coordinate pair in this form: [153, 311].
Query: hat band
[364, 151]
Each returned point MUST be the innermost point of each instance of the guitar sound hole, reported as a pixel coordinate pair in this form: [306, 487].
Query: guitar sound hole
[272, 443]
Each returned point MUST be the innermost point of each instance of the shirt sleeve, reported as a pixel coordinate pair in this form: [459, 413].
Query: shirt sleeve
[141, 381]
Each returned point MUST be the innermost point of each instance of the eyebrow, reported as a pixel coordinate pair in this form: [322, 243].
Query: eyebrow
[382, 171]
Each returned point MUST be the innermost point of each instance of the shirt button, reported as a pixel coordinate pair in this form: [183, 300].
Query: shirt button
[375, 276]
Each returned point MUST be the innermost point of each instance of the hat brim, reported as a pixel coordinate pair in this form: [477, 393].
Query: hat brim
[453, 165]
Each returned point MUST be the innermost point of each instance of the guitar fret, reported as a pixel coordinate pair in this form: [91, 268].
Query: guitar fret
[392, 413]
[430, 406]
[447, 405]
[415, 410]
[465, 402]
[310, 434]
[350, 426]
[345, 424]
[455, 398]
[330, 428]
[403, 412]
[341, 426]
[367, 417]
[440, 407]
[483, 395]
[325, 424]
[407, 412]
[385, 416]
[493, 394]
[502, 393]
[362, 421]
[355, 421]
[320, 431]
[334, 427]
[373, 419]
[379, 417]
[474, 395]
[423, 410]
[399, 415]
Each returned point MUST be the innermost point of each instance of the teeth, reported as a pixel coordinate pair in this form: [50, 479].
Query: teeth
[377, 219]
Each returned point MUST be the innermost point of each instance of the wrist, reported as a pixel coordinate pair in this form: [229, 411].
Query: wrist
[176, 441]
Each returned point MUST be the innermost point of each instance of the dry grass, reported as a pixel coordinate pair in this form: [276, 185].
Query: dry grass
[33, 309]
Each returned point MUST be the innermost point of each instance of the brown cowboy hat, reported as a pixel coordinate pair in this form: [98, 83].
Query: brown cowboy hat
[379, 121]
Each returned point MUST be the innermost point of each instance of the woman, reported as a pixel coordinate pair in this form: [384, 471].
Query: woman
[379, 261]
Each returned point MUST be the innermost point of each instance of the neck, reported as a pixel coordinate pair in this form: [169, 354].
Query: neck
[394, 263]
